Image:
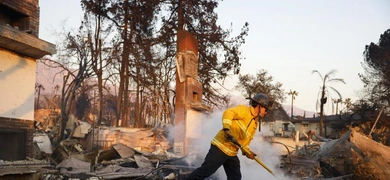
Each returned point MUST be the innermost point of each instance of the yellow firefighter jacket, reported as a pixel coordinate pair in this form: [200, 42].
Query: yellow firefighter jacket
[242, 124]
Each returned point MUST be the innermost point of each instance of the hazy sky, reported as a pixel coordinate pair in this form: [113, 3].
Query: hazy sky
[288, 38]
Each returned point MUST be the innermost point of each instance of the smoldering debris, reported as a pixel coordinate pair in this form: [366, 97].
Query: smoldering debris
[352, 156]
[149, 158]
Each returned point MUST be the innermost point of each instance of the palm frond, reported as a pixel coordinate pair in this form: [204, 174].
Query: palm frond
[315, 71]
[336, 91]
[336, 80]
[331, 72]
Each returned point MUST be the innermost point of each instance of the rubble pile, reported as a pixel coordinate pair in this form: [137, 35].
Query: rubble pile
[296, 166]
[352, 156]
[121, 161]
[355, 153]
[131, 153]
[25, 168]
[117, 162]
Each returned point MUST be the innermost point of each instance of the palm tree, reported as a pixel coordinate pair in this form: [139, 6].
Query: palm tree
[38, 88]
[337, 101]
[325, 89]
[293, 94]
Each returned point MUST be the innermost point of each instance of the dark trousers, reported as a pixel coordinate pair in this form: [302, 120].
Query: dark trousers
[214, 159]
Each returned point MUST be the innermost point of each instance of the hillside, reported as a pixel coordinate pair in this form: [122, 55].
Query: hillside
[297, 111]
[48, 78]
[235, 99]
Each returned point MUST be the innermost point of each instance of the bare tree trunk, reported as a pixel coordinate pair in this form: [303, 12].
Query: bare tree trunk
[64, 109]
[137, 104]
[323, 101]
[68, 94]
[39, 95]
[180, 16]
[292, 107]
[124, 74]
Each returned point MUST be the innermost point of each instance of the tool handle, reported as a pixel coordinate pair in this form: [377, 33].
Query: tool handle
[244, 150]
[264, 166]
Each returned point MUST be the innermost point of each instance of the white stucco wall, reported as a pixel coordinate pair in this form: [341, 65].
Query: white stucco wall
[17, 86]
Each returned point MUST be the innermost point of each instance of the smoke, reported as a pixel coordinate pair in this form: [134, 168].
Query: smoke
[250, 169]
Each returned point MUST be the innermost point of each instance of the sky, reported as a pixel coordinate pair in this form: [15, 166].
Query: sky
[288, 38]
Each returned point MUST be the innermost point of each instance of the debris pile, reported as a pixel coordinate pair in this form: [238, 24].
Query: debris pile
[352, 156]
[132, 153]
[358, 155]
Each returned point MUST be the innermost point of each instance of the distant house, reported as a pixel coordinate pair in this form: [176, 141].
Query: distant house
[278, 122]
[20, 47]
[282, 128]
[330, 123]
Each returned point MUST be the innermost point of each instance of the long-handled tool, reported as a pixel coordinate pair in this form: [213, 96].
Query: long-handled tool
[245, 151]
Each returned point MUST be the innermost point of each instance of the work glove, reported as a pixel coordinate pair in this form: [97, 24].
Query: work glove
[248, 153]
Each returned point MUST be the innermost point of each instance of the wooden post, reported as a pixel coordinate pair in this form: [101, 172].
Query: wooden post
[297, 139]
[377, 118]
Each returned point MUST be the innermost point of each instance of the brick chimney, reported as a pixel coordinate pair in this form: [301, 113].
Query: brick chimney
[188, 105]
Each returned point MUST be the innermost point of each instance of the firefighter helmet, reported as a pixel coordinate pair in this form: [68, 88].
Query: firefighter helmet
[261, 99]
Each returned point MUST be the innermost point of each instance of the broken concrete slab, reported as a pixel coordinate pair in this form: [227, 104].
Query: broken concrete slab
[142, 161]
[123, 150]
[72, 166]
[82, 129]
[43, 142]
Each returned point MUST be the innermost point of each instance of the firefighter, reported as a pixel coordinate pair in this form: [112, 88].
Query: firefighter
[239, 123]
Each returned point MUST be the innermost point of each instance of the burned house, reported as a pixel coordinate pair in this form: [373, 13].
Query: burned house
[20, 47]
[332, 123]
